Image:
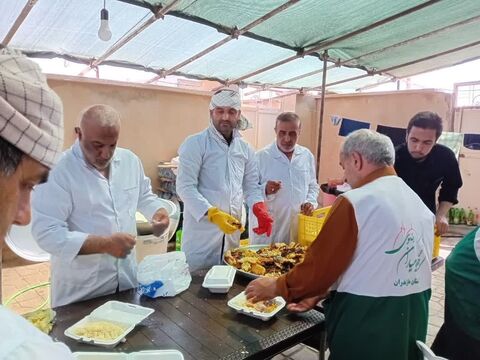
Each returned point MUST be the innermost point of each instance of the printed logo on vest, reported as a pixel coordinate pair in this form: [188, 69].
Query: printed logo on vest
[408, 248]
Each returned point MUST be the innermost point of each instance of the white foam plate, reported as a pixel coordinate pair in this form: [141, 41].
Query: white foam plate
[20, 240]
[219, 279]
[141, 355]
[173, 210]
[99, 356]
[119, 313]
[169, 206]
[237, 303]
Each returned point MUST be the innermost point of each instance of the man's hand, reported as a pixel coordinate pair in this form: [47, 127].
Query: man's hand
[441, 219]
[160, 221]
[304, 305]
[261, 289]
[307, 209]
[119, 245]
[441, 225]
[226, 222]
[272, 187]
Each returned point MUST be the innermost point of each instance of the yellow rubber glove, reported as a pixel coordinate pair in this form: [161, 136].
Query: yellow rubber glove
[226, 222]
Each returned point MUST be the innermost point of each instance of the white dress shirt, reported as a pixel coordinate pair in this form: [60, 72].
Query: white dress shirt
[78, 201]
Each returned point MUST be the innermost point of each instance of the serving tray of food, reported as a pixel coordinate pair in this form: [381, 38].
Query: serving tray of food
[272, 260]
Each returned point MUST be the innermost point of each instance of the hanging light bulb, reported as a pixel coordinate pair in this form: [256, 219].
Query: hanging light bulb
[104, 32]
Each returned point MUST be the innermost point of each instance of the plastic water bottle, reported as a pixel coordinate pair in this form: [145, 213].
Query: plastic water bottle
[178, 240]
[470, 217]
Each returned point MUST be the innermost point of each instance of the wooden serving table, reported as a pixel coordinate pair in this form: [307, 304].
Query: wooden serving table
[199, 324]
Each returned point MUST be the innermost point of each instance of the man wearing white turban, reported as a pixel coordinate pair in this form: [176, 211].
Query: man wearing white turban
[31, 138]
[216, 169]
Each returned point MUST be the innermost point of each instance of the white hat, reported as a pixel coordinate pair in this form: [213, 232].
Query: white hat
[227, 97]
[31, 114]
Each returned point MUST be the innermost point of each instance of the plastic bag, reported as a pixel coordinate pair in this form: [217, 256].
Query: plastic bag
[163, 275]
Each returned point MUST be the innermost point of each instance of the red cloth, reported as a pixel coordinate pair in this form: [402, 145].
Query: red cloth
[265, 221]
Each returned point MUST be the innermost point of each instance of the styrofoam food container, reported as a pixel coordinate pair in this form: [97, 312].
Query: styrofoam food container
[219, 279]
[141, 355]
[237, 302]
[119, 313]
[99, 356]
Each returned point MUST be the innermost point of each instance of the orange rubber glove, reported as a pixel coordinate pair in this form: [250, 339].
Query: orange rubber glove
[265, 221]
[226, 222]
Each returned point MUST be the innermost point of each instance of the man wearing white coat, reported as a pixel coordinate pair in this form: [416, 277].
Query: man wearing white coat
[287, 176]
[216, 169]
[85, 215]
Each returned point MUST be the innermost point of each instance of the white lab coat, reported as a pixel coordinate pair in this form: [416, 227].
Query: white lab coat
[213, 174]
[77, 201]
[299, 185]
[20, 340]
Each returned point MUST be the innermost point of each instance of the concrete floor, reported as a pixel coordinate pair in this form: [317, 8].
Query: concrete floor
[16, 278]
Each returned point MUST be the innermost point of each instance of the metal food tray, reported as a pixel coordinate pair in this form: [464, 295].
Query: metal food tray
[245, 273]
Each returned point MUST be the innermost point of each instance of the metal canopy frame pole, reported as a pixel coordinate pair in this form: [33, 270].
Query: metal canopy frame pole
[18, 21]
[322, 110]
[413, 39]
[235, 33]
[378, 51]
[128, 37]
[379, 72]
[417, 73]
[328, 43]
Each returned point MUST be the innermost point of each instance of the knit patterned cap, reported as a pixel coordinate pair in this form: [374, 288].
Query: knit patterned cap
[31, 114]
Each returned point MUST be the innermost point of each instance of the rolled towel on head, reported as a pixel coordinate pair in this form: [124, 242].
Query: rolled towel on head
[227, 97]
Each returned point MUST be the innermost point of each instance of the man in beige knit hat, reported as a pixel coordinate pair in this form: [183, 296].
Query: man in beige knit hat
[31, 138]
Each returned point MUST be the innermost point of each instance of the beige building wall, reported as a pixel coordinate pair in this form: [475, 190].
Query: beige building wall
[154, 121]
[306, 109]
[387, 108]
[262, 115]
[393, 109]
[157, 120]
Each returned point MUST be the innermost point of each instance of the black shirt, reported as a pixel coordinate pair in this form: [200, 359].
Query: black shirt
[424, 177]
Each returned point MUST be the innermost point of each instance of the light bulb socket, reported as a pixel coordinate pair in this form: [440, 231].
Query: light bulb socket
[104, 14]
